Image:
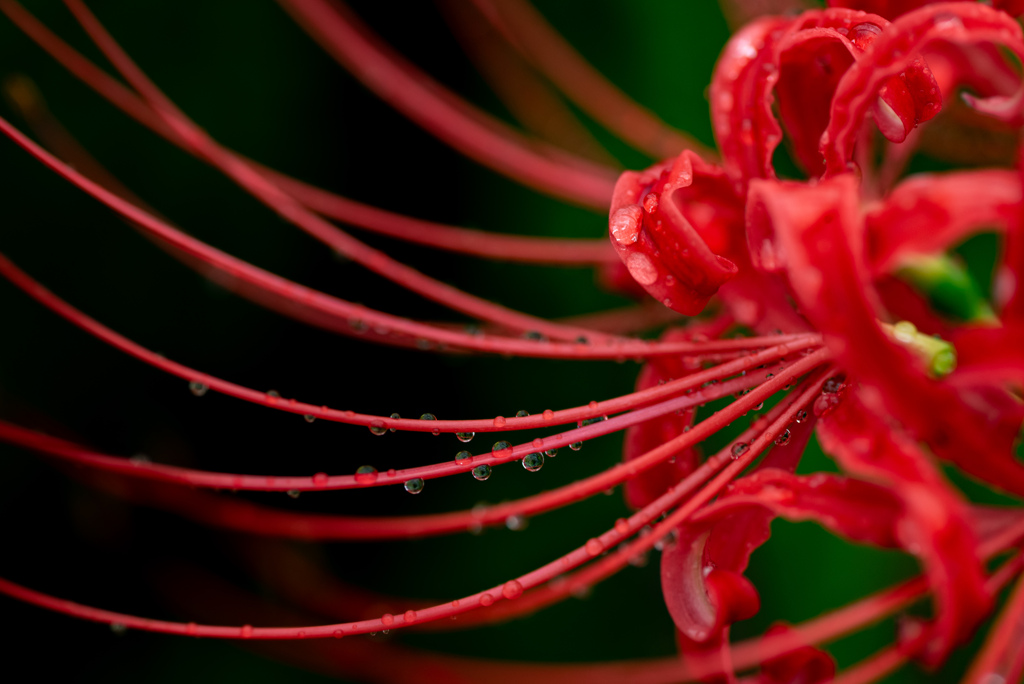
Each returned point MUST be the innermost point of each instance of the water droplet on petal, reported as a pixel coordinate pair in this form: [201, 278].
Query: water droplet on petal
[482, 472]
[414, 486]
[512, 589]
[801, 416]
[197, 388]
[783, 438]
[758, 406]
[366, 475]
[533, 462]
[739, 448]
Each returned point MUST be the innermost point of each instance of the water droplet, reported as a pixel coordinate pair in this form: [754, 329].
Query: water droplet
[118, 628]
[515, 523]
[594, 547]
[428, 416]
[191, 628]
[501, 448]
[576, 446]
[769, 376]
[294, 493]
[512, 589]
[650, 203]
[533, 462]
[246, 631]
[378, 427]
[548, 414]
[464, 436]
[832, 386]
[366, 475]
[783, 438]
[739, 448]
[522, 414]
[801, 416]
[387, 619]
[409, 616]
[320, 479]
[499, 421]
[758, 406]
[486, 600]
[140, 459]
[463, 458]
[394, 416]
[414, 486]
[197, 388]
[622, 526]
[482, 472]
[338, 634]
[273, 395]
[551, 453]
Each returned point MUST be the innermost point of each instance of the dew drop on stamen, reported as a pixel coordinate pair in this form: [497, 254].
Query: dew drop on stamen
[576, 446]
[512, 589]
[394, 416]
[366, 475]
[482, 472]
[533, 462]
[622, 526]
[551, 453]
[515, 523]
[246, 631]
[118, 628]
[486, 600]
[464, 436]
[191, 628]
[500, 448]
[387, 619]
[758, 406]
[197, 388]
[801, 416]
[548, 414]
[783, 438]
[320, 479]
[522, 414]
[273, 395]
[409, 616]
[499, 421]
[463, 458]
[338, 634]
[769, 376]
[594, 546]
[377, 427]
[414, 486]
[739, 448]
[309, 418]
[294, 493]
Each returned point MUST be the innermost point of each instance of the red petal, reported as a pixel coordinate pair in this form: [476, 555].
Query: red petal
[893, 53]
[806, 665]
[671, 225]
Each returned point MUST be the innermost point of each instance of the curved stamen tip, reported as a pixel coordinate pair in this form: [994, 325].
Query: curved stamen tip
[938, 355]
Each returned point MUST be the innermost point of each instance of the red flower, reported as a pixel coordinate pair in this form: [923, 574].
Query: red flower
[821, 296]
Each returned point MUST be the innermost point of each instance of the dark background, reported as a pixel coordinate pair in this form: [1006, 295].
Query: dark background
[247, 74]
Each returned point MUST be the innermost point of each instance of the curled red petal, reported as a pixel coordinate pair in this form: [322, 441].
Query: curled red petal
[895, 51]
[890, 9]
[671, 226]
[930, 213]
[937, 526]
[827, 267]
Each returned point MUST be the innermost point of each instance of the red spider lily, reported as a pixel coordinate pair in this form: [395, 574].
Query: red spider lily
[815, 295]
